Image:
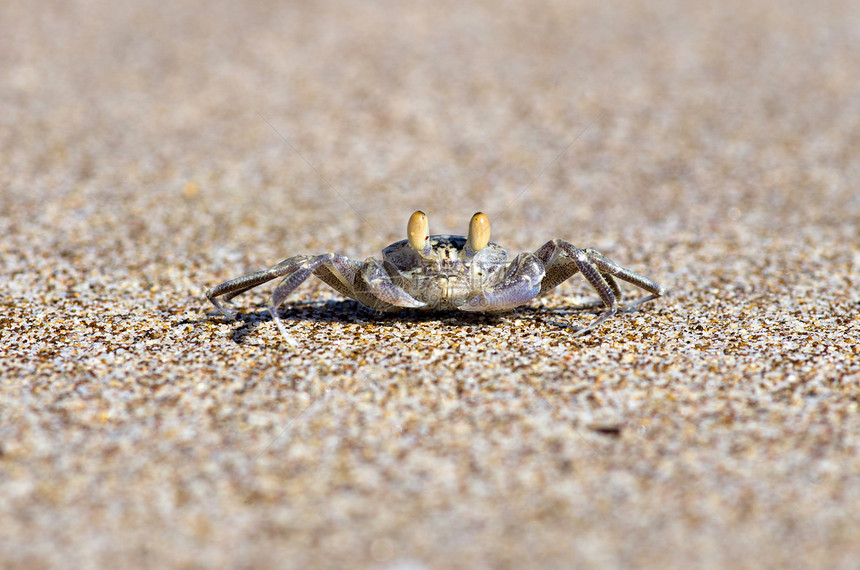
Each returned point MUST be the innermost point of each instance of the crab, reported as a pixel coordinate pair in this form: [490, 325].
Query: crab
[446, 272]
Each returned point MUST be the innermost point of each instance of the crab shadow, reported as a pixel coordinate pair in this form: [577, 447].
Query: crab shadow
[343, 311]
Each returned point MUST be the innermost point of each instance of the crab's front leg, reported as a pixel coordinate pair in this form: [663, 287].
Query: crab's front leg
[520, 284]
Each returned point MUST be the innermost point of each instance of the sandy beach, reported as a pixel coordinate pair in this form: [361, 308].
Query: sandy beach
[149, 152]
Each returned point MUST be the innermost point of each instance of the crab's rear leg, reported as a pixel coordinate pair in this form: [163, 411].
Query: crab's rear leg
[608, 267]
[234, 287]
[294, 271]
[328, 264]
[563, 260]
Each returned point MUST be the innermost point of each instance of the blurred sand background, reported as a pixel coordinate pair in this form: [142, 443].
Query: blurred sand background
[714, 147]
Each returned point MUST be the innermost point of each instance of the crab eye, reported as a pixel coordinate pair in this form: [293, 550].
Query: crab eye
[418, 230]
[479, 232]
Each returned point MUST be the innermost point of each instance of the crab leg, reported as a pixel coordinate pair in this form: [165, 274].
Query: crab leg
[562, 260]
[293, 279]
[234, 287]
[561, 267]
[339, 274]
[609, 267]
[295, 271]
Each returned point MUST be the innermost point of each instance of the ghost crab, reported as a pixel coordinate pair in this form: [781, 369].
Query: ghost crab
[445, 272]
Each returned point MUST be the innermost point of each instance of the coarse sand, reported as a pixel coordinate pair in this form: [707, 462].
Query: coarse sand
[151, 150]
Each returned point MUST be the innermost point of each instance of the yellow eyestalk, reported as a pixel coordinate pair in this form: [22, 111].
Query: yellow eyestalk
[479, 232]
[418, 231]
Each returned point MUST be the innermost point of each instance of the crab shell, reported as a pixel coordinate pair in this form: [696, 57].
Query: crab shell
[448, 273]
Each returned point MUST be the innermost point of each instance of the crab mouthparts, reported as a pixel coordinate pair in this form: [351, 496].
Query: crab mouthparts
[445, 291]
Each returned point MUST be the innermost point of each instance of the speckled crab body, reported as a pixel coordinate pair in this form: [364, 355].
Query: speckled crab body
[444, 272]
